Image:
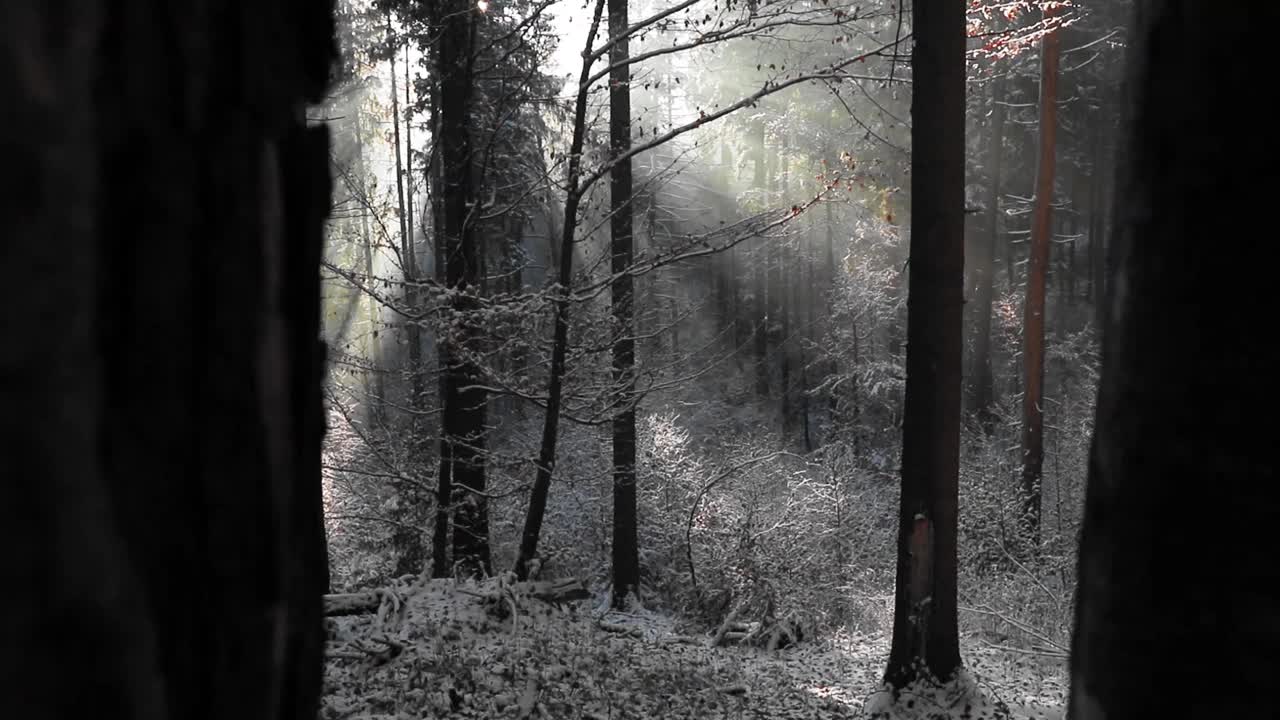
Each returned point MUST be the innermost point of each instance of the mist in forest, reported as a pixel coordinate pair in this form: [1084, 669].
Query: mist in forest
[770, 164]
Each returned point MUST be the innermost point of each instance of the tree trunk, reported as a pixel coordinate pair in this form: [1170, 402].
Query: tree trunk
[462, 437]
[982, 379]
[1098, 218]
[560, 333]
[1033, 329]
[1177, 571]
[827, 291]
[925, 636]
[1072, 222]
[807, 297]
[411, 238]
[760, 259]
[408, 539]
[375, 390]
[161, 379]
[626, 560]
[780, 313]
[441, 562]
[403, 212]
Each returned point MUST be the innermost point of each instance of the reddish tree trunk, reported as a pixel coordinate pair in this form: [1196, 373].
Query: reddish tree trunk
[1033, 329]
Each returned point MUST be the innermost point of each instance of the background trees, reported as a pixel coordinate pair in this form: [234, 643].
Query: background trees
[768, 300]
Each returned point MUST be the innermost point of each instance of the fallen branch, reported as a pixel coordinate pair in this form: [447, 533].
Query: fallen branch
[550, 591]
[680, 640]
[726, 625]
[383, 601]
[343, 604]
[1019, 625]
[1037, 651]
[619, 628]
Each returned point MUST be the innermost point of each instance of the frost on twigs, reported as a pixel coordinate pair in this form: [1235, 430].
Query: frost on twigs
[960, 697]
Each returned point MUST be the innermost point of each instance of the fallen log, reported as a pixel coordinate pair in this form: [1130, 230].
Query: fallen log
[619, 628]
[730, 620]
[342, 604]
[558, 591]
[550, 591]
[680, 640]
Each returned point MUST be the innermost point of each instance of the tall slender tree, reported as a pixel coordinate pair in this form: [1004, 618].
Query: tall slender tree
[376, 386]
[1037, 275]
[982, 380]
[560, 329]
[1177, 571]
[462, 437]
[626, 560]
[441, 565]
[759, 258]
[925, 636]
[408, 538]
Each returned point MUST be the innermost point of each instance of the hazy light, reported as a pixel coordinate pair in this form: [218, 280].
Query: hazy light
[483, 5]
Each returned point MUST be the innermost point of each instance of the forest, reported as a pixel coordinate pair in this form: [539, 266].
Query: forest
[605, 359]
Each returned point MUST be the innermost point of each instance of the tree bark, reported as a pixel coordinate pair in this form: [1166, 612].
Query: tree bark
[1033, 329]
[1177, 571]
[625, 552]
[1098, 213]
[441, 560]
[462, 437]
[163, 411]
[925, 636]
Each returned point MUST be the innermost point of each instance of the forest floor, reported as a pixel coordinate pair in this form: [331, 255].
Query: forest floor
[436, 650]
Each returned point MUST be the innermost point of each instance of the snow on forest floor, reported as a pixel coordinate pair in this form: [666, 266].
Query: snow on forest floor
[434, 650]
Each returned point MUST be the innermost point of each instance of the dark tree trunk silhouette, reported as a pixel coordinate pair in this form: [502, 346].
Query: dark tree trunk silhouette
[625, 557]
[161, 378]
[462, 437]
[560, 332]
[441, 562]
[1177, 571]
[982, 391]
[925, 636]
[1034, 307]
